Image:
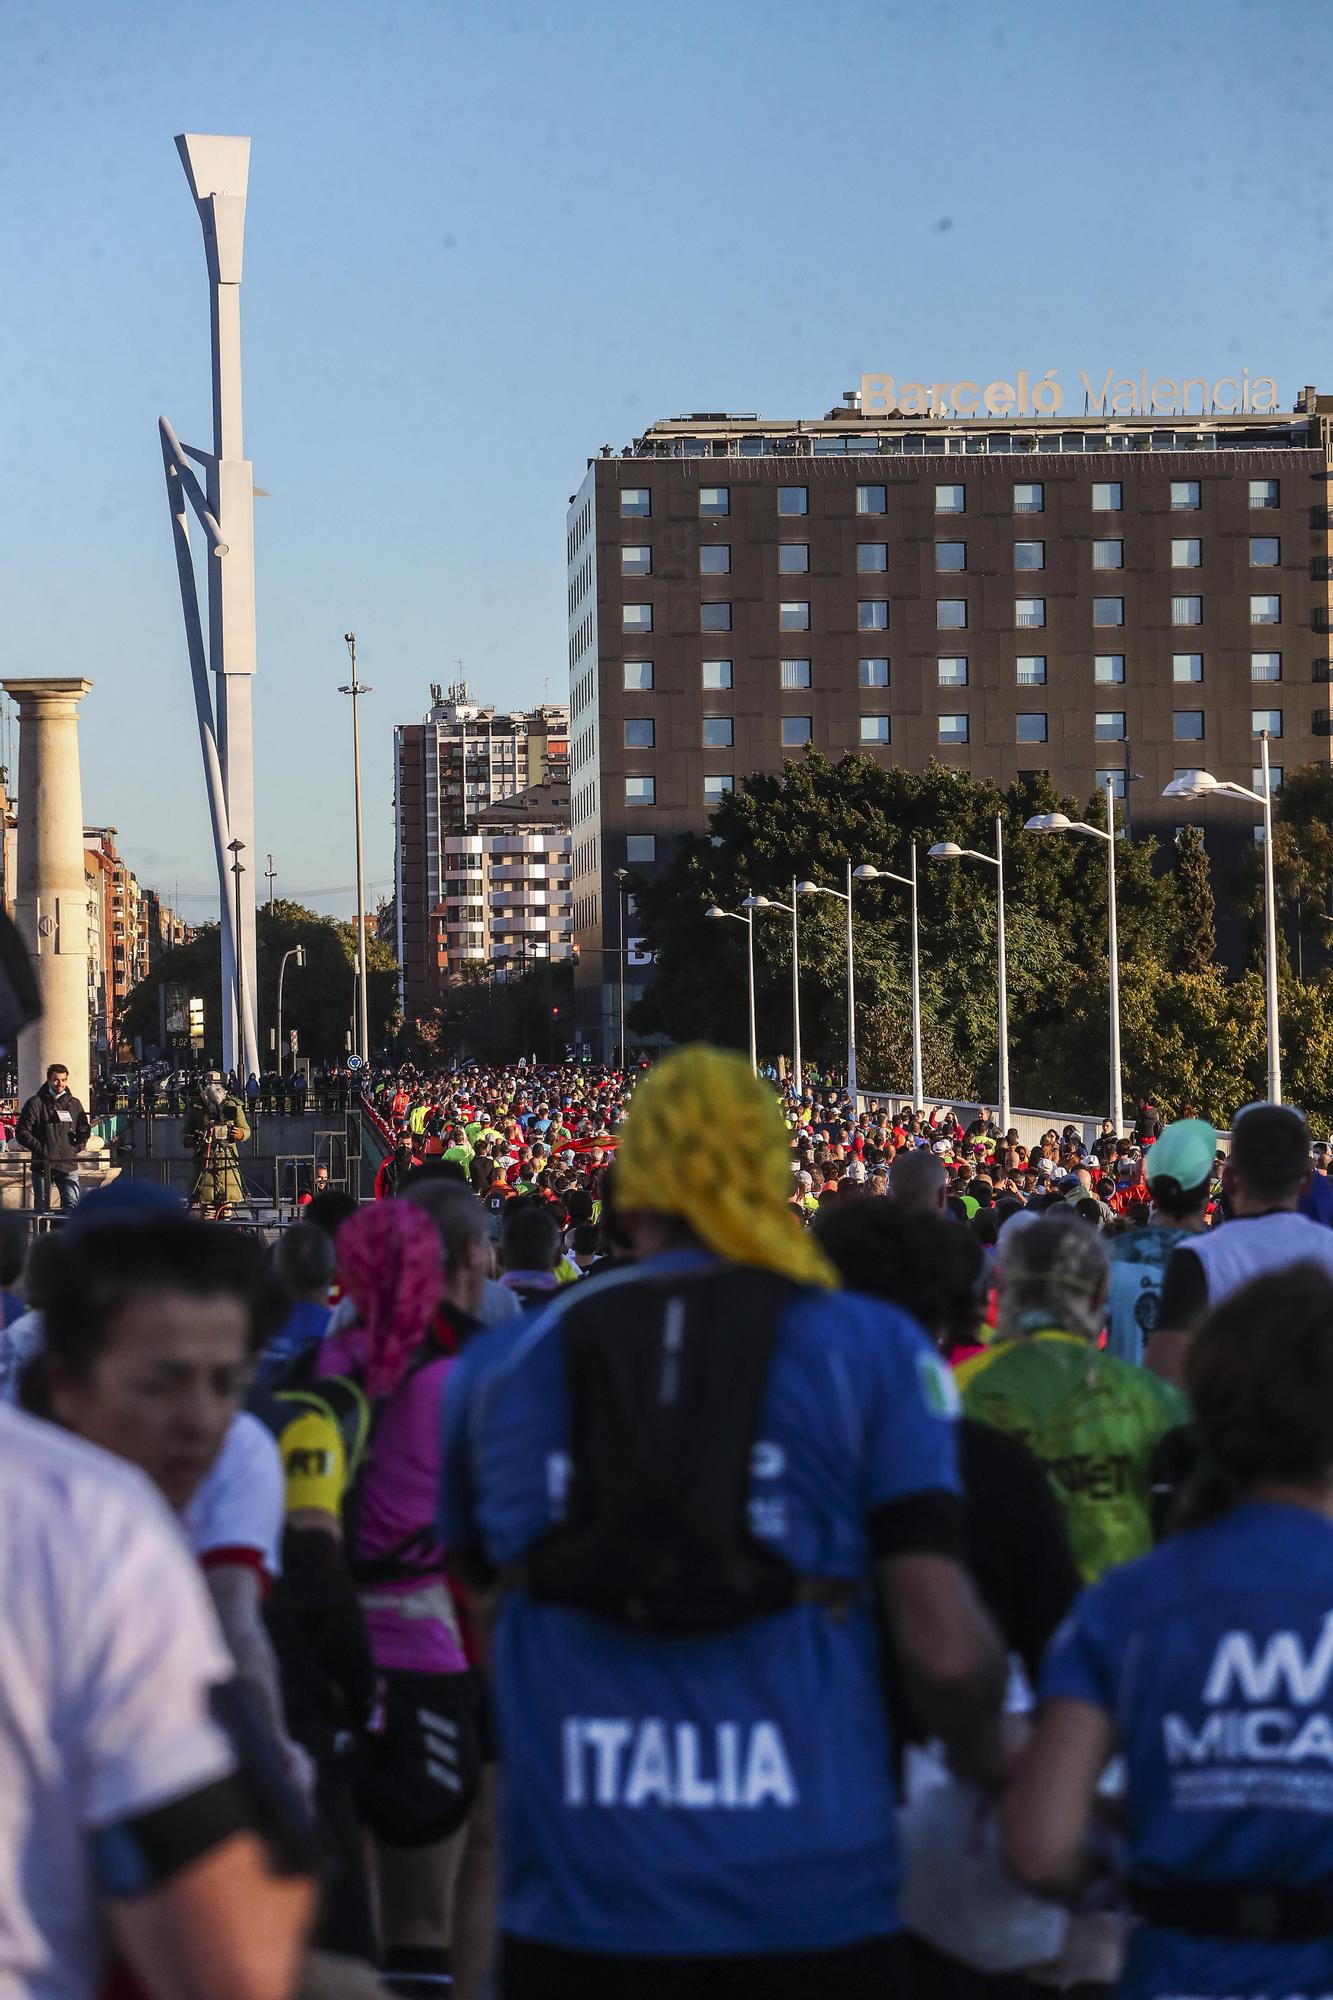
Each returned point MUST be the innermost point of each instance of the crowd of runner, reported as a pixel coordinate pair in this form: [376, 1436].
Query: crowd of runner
[678, 1538]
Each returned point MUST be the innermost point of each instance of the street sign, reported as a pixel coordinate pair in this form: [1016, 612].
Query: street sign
[355, 1062]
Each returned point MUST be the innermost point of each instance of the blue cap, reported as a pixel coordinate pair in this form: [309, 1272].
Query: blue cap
[125, 1200]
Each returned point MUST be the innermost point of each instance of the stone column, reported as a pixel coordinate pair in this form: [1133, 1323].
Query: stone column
[51, 900]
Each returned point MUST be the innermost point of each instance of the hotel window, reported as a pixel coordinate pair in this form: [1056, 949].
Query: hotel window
[872, 615]
[793, 558]
[640, 791]
[1269, 719]
[1187, 666]
[1257, 778]
[1106, 496]
[1185, 493]
[875, 729]
[1029, 555]
[794, 617]
[715, 617]
[1109, 667]
[953, 729]
[1109, 726]
[638, 676]
[872, 557]
[951, 672]
[1029, 497]
[794, 673]
[719, 732]
[1031, 670]
[1265, 493]
[715, 559]
[716, 674]
[796, 731]
[1265, 552]
[951, 614]
[951, 555]
[872, 500]
[639, 733]
[1186, 553]
[716, 786]
[1265, 611]
[636, 560]
[950, 499]
[1029, 611]
[1265, 666]
[1031, 728]
[1187, 611]
[714, 502]
[1117, 780]
[636, 502]
[1108, 555]
[793, 499]
[873, 673]
[641, 847]
[636, 618]
[1187, 725]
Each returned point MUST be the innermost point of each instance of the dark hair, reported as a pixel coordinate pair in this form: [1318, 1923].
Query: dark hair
[329, 1210]
[1173, 1200]
[1270, 1150]
[923, 1263]
[586, 1239]
[97, 1271]
[434, 1170]
[579, 1206]
[529, 1236]
[13, 1246]
[304, 1259]
[1259, 1376]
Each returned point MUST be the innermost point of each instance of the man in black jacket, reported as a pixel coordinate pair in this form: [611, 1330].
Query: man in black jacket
[54, 1127]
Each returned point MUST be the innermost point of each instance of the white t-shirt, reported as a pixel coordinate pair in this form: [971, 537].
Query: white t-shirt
[237, 1514]
[108, 1649]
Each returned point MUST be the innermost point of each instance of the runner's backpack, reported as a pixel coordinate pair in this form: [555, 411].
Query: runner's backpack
[665, 1382]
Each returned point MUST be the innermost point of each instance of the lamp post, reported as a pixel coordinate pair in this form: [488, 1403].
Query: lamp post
[843, 896]
[948, 850]
[1203, 785]
[236, 849]
[867, 873]
[622, 875]
[748, 920]
[766, 903]
[298, 953]
[1058, 822]
[356, 690]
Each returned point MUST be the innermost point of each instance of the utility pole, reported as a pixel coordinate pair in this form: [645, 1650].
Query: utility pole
[356, 690]
[271, 876]
[236, 848]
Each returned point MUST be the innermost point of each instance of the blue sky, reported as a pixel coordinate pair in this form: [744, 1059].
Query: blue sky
[484, 240]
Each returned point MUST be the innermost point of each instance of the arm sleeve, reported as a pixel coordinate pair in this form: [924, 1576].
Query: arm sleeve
[240, 1505]
[144, 1654]
[1080, 1664]
[1184, 1290]
[1017, 1541]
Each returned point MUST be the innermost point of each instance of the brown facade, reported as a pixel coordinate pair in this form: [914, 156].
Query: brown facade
[1008, 583]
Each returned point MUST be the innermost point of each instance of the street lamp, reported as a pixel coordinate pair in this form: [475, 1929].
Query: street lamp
[236, 849]
[867, 873]
[843, 896]
[622, 876]
[1203, 785]
[298, 953]
[1058, 822]
[767, 903]
[949, 850]
[748, 920]
[356, 690]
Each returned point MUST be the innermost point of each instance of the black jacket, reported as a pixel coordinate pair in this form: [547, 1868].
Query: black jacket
[55, 1131]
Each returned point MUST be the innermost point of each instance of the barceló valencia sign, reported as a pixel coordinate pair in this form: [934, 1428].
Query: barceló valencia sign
[1112, 395]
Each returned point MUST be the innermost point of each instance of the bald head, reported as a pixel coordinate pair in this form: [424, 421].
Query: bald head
[918, 1182]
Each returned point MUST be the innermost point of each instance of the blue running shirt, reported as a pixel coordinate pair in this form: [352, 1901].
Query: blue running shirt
[727, 1794]
[1214, 1654]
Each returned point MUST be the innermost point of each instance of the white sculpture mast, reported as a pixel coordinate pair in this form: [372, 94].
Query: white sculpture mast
[218, 170]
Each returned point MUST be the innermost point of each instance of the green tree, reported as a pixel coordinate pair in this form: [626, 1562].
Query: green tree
[317, 1000]
[1194, 887]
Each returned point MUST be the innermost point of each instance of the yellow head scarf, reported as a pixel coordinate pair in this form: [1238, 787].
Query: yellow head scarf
[705, 1140]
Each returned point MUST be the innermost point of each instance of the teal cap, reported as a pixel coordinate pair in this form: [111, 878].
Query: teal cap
[1185, 1153]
